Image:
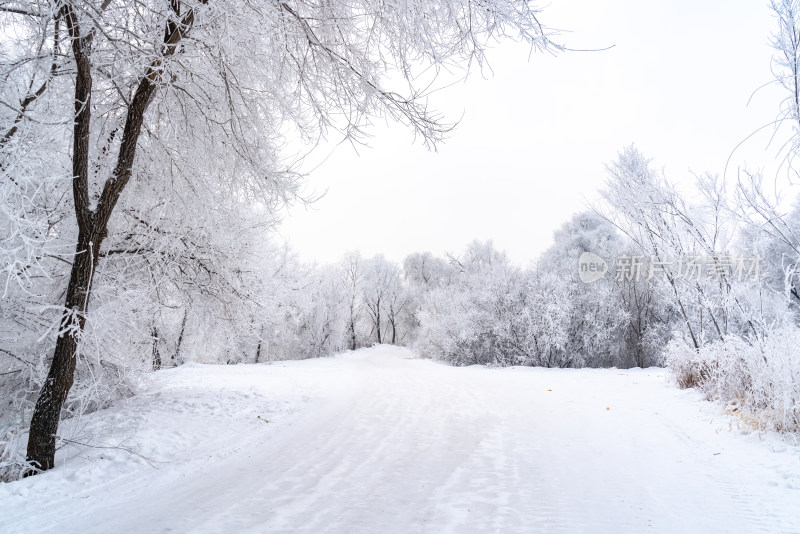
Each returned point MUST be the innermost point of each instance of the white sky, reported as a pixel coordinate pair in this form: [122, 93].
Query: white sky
[534, 138]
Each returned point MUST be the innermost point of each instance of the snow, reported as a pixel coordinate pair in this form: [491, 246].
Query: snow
[381, 441]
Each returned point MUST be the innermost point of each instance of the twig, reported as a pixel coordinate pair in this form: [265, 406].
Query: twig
[150, 461]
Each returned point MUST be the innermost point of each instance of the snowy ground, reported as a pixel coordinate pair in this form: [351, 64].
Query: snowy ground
[378, 441]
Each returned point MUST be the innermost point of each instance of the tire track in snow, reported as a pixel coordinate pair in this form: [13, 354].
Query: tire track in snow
[390, 444]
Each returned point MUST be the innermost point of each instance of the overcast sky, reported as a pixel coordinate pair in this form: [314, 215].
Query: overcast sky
[530, 149]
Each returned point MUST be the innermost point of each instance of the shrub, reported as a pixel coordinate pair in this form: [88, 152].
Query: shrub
[757, 379]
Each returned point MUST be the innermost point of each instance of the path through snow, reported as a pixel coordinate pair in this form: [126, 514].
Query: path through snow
[379, 441]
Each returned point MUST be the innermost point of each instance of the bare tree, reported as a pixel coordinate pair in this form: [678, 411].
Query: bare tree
[378, 276]
[641, 199]
[396, 300]
[353, 277]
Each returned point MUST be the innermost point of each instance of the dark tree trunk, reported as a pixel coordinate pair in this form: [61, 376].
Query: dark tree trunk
[92, 224]
[156, 353]
[352, 334]
[46, 414]
[393, 323]
[177, 357]
[260, 343]
[378, 321]
[684, 314]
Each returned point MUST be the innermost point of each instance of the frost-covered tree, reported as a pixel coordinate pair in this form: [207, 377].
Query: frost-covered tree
[380, 277]
[786, 65]
[461, 319]
[198, 94]
[595, 334]
[318, 316]
[352, 275]
[396, 305]
[739, 323]
[423, 272]
[654, 216]
[426, 271]
[490, 312]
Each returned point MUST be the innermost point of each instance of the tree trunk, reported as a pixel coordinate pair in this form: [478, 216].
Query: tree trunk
[92, 223]
[177, 357]
[46, 414]
[684, 314]
[258, 351]
[393, 323]
[378, 321]
[156, 353]
[260, 343]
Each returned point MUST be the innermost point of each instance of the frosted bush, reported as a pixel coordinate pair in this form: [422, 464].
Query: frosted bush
[12, 455]
[758, 380]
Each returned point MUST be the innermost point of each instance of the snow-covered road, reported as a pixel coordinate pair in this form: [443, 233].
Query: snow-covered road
[379, 441]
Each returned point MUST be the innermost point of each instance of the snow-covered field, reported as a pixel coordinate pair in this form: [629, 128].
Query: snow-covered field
[379, 441]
